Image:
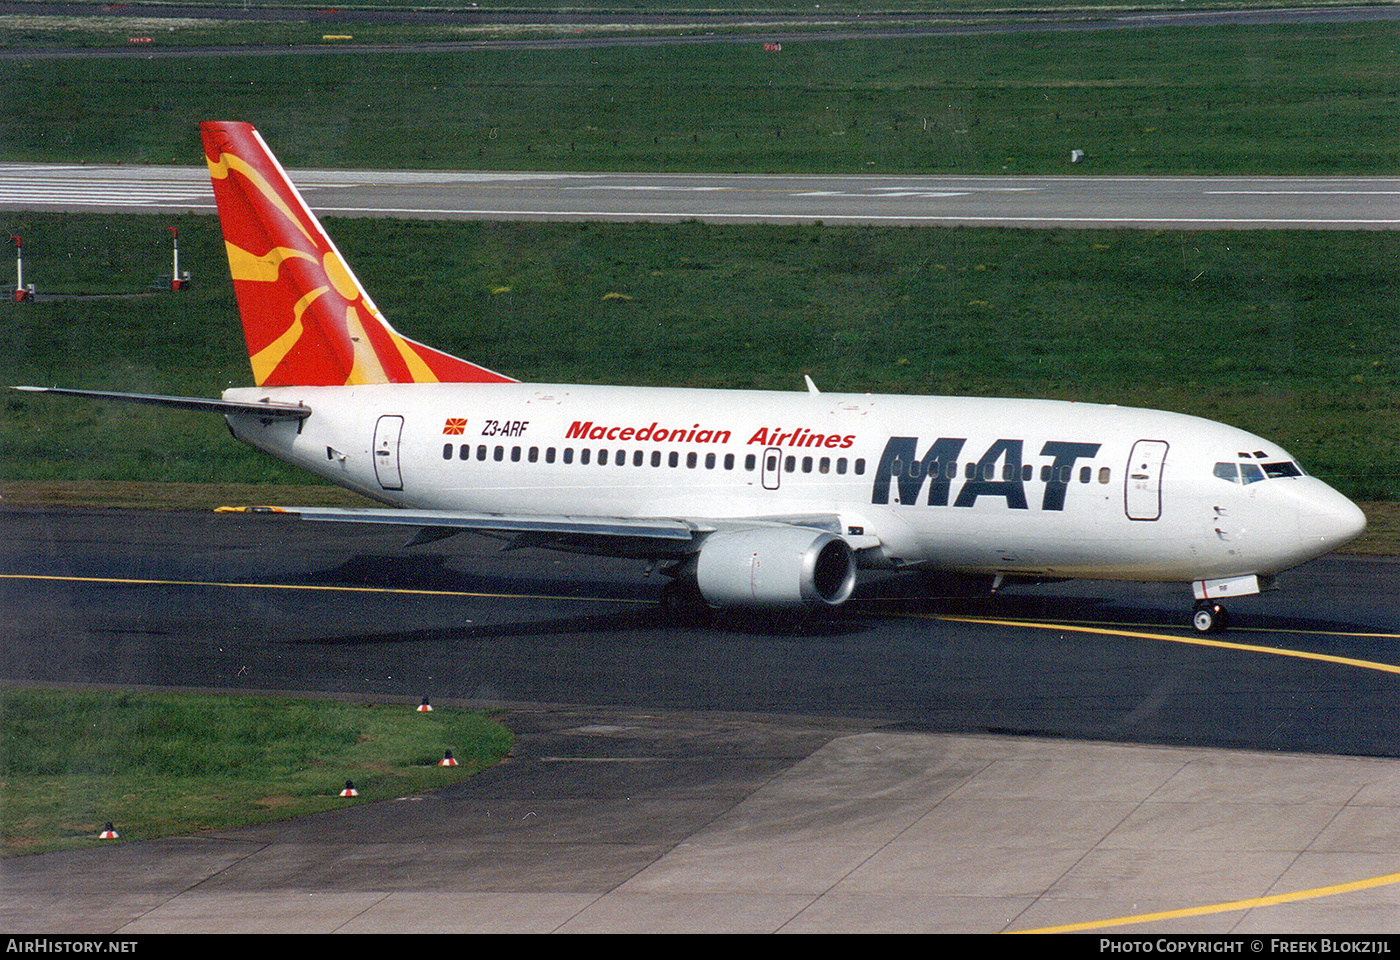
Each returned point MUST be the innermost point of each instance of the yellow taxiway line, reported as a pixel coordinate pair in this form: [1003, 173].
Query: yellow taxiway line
[1193, 641]
[1269, 901]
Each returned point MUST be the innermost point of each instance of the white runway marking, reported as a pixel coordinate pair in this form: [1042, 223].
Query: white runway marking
[102, 191]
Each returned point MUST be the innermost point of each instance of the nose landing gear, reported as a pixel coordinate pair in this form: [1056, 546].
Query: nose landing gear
[1209, 617]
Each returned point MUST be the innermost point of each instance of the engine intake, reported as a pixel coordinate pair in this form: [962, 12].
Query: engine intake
[769, 567]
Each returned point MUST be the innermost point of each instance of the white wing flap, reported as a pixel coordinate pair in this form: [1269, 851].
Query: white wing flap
[663, 529]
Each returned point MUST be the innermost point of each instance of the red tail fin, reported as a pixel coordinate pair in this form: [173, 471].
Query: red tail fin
[307, 320]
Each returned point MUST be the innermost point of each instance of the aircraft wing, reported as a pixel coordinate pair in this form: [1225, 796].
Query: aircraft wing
[645, 537]
[267, 410]
[609, 536]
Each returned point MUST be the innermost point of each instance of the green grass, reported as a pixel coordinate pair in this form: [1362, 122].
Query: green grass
[1289, 334]
[1285, 99]
[161, 764]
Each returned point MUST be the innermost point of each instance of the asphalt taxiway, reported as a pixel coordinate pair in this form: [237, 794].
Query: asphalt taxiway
[1065, 755]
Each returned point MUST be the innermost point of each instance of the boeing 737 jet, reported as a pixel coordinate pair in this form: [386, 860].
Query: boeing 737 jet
[746, 499]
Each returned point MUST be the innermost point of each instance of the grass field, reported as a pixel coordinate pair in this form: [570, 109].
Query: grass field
[162, 764]
[1288, 334]
[1285, 99]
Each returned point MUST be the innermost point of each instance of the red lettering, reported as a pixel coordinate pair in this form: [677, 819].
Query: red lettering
[589, 430]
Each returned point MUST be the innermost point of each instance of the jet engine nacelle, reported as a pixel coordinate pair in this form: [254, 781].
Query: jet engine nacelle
[770, 567]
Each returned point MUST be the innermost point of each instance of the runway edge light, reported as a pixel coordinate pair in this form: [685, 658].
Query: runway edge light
[349, 790]
[448, 760]
[108, 832]
[425, 706]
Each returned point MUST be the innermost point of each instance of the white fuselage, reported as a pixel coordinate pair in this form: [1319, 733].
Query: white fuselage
[1036, 487]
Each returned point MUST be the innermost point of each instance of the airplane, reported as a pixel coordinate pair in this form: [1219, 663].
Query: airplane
[746, 500]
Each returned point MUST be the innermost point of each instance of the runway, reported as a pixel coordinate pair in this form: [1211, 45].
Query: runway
[1066, 754]
[1185, 203]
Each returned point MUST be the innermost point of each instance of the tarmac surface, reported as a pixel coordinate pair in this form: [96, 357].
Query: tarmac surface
[1064, 755]
[1184, 203]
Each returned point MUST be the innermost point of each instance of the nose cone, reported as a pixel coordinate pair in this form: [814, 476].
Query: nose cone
[1327, 520]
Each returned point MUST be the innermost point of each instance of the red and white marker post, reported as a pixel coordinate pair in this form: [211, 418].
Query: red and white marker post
[177, 282]
[21, 294]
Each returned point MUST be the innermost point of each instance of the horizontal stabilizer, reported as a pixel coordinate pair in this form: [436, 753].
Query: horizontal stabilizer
[266, 410]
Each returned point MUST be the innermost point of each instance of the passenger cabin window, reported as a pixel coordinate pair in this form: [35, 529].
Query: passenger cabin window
[712, 461]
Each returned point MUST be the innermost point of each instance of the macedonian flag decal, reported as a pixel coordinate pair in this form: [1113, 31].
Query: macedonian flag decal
[307, 319]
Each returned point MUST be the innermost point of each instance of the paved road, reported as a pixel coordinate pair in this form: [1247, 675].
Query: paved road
[899, 768]
[669, 28]
[1345, 203]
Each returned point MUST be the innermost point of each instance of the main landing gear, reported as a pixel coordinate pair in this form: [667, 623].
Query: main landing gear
[1209, 616]
[682, 603]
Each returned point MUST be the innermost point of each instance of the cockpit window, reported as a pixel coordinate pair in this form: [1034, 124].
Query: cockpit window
[1248, 473]
[1284, 468]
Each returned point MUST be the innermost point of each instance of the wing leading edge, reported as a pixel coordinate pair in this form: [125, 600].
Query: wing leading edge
[646, 537]
[607, 536]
